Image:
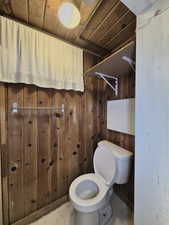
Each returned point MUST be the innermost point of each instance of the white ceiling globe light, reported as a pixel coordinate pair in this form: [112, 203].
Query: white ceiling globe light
[69, 15]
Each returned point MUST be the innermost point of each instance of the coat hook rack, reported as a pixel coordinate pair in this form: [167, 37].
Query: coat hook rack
[15, 108]
[104, 76]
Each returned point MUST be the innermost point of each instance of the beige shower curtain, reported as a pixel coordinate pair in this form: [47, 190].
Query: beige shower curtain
[32, 57]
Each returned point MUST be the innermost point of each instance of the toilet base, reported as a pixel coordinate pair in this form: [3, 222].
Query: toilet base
[86, 218]
[100, 217]
[105, 214]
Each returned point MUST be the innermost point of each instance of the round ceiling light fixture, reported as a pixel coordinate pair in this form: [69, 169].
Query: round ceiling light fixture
[69, 15]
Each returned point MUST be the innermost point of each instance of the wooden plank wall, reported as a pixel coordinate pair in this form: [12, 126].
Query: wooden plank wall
[2, 145]
[126, 90]
[42, 152]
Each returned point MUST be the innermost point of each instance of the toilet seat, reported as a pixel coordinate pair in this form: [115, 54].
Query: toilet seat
[92, 203]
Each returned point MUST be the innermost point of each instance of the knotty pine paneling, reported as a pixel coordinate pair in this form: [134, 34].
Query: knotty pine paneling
[43, 151]
[46, 150]
[126, 90]
[2, 143]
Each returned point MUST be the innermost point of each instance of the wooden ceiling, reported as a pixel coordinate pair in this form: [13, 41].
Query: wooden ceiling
[104, 26]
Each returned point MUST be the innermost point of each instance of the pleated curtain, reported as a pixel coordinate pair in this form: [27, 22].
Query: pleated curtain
[32, 57]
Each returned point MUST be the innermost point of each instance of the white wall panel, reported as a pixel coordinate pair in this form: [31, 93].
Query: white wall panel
[139, 6]
[121, 115]
[152, 121]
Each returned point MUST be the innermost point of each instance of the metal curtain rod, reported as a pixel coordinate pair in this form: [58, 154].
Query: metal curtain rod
[15, 108]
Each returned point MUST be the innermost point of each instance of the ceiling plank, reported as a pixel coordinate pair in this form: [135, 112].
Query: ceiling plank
[132, 38]
[52, 25]
[99, 15]
[93, 11]
[112, 17]
[20, 9]
[122, 36]
[86, 15]
[36, 12]
[5, 6]
[101, 49]
[123, 21]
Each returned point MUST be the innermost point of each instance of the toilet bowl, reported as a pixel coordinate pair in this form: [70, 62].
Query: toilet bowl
[91, 193]
[88, 193]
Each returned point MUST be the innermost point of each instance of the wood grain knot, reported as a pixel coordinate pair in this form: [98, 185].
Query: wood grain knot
[43, 160]
[123, 26]
[33, 201]
[13, 169]
[27, 164]
[51, 163]
[57, 115]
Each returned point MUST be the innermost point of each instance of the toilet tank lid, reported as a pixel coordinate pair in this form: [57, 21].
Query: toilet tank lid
[118, 151]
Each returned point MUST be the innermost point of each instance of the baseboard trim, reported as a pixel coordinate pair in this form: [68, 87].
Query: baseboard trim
[41, 212]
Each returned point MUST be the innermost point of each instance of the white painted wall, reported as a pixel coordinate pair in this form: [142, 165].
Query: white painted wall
[152, 118]
[139, 6]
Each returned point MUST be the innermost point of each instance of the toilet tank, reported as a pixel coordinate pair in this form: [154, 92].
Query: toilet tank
[115, 168]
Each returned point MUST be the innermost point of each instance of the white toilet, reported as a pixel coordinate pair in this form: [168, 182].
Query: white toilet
[90, 193]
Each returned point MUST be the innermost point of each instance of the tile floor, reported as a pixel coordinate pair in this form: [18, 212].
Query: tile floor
[122, 215]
